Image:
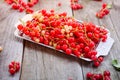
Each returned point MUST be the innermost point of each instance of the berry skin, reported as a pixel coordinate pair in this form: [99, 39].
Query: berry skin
[96, 63]
[12, 71]
[106, 73]
[94, 58]
[11, 65]
[21, 9]
[68, 51]
[104, 5]
[100, 59]
[20, 27]
[59, 4]
[15, 6]
[86, 49]
[89, 74]
[92, 44]
[28, 10]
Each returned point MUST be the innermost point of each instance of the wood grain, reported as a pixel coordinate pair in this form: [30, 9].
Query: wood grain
[41, 63]
[12, 47]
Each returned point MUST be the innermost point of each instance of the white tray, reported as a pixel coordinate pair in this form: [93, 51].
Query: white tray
[102, 49]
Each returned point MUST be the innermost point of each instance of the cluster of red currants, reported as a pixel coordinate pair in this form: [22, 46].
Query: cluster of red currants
[97, 61]
[64, 33]
[97, 0]
[103, 12]
[21, 6]
[75, 5]
[100, 76]
[14, 67]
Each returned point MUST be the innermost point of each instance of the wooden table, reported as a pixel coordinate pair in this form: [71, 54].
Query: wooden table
[40, 63]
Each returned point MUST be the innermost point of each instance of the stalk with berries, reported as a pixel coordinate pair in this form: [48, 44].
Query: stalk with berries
[104, 11]
[21, 5]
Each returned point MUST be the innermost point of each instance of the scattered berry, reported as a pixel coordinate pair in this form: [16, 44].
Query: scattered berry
[99, 76]
[97, 61]
[75, 5]
[103, 12]
[14, 67]
[59, 4]
[21, 6]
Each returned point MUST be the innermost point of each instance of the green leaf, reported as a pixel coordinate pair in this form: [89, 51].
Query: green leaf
[23, 23]
[116, 64]
[109, 6]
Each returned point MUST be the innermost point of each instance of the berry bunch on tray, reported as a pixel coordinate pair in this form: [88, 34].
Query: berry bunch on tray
[63, 33]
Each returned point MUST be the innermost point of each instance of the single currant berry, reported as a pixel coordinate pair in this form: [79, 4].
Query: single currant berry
[58, 47]
[15, 6]
[12, 71]
[100, 76]
[104, 5]
[106, 73]
[96, 76]
[91, 44]
[88, 75]
[68, 51]
[30, 4]
[11, 66]
[21, 9]
[17, 68]
[94, 58]
[64, 47]
[20, 27]
[86, 49]
[90, 34]
[29, 10]
[59, 4]
[96, 63]
[100, 59]
[107, 78]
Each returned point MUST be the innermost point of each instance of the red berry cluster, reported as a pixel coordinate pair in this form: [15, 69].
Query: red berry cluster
[14, 67]
[97, 61]
[64, 33]
[21, 6]
[75, 5]
[97, 0]
[103, 12]
[100, 76]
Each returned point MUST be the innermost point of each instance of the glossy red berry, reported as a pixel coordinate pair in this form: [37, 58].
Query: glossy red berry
[104, 5]
[100, 59]
[106, 73]
[96, 63]
[89, 74]
[12, 71]
[68, 51]
[59, 4]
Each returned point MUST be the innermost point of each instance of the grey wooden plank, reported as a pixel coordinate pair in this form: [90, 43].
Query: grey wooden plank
[41, 63]
[91, 8]
[12, 47]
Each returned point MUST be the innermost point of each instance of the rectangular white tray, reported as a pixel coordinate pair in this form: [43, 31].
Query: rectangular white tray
[102, 49]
